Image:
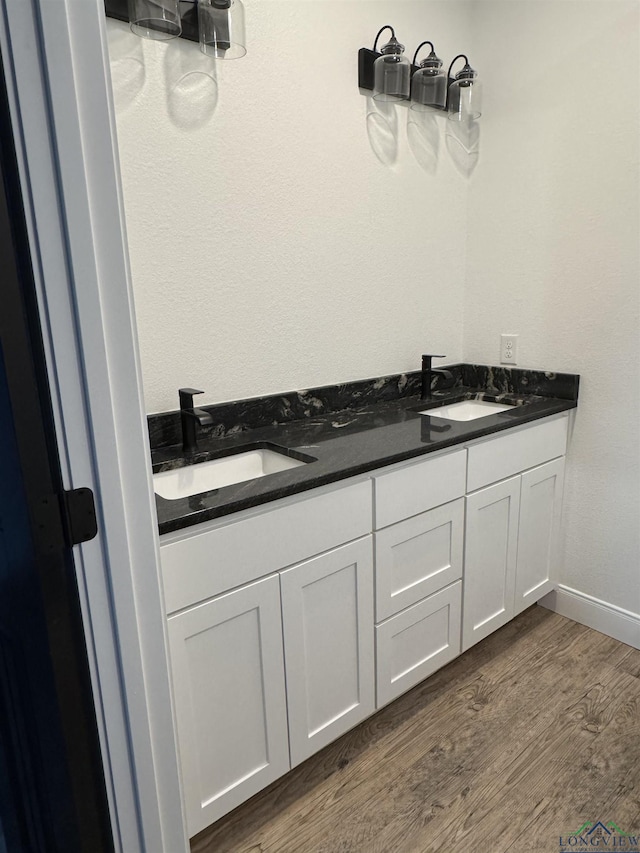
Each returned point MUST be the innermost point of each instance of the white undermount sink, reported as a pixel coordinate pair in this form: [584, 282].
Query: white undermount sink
[467, 410]
[206, 476]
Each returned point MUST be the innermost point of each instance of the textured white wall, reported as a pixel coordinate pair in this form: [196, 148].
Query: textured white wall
[265, 258]
[270, 249]
[553, 246]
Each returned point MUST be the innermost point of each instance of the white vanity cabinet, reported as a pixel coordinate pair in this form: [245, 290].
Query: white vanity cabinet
[513, 526]
[266, 674]
[292, 622]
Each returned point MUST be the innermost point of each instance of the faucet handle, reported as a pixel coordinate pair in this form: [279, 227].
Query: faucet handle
[186, 397]
[426, 360]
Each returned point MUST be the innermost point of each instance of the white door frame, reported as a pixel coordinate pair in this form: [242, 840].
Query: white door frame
[56, 65]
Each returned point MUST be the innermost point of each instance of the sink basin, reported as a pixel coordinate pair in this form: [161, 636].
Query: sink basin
[467, 410]
[216, 473]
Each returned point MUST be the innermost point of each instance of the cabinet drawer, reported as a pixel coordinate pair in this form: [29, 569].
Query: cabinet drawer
[417, 642]
[512, 452]
[418, 487]
[417, 557]
[201, 565]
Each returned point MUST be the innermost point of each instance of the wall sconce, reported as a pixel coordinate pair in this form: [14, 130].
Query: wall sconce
[387, 74]
[464, 93]
[217, 24]
[155, 19]
[221, 28]
[391, 70]
[428, 84]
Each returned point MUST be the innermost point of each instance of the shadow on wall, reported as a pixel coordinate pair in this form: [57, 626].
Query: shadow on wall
[191, 85]
[126, 59]
[382, 130]
[190, 81]
[424, 133]
[463, 144]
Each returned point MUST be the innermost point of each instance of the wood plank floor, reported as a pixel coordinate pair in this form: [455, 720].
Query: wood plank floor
[519, 741]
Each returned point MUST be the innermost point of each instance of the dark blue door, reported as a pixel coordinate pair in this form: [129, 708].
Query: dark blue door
[52, 792]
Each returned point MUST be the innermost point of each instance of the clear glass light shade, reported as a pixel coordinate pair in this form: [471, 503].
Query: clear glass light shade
[155, 19]
[221, 27]
[428, 89]
[465, 100]
[391, 73]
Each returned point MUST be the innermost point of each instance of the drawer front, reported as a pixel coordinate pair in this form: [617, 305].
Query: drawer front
[418, 487]
[417, 557]
[512, 452]
[417, 642]
[205, 564]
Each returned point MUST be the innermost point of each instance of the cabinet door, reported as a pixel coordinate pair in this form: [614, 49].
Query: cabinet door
[327, 612]
[417, 642]
[417, 557]
[229, 693]
[539, 533]
[490, 560]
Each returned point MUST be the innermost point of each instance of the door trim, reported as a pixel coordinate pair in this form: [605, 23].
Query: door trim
[56, 65]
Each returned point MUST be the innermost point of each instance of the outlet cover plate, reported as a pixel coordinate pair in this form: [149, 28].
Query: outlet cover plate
[508, 349]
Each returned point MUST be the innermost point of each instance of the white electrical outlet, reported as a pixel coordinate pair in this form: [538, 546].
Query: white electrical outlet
[508, 349]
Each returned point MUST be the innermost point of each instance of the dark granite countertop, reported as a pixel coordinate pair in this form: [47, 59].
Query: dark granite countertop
[375, 423]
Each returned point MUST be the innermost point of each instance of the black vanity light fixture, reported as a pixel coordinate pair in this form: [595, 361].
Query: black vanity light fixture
[217, 24]
[391, 77]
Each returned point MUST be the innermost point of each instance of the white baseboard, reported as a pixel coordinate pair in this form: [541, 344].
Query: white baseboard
[600, 615]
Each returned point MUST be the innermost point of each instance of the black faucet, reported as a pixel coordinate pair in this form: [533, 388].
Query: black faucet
[189, 417]
[428, 372]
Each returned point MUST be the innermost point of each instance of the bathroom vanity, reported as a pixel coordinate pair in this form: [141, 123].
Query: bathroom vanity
[296, 617]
